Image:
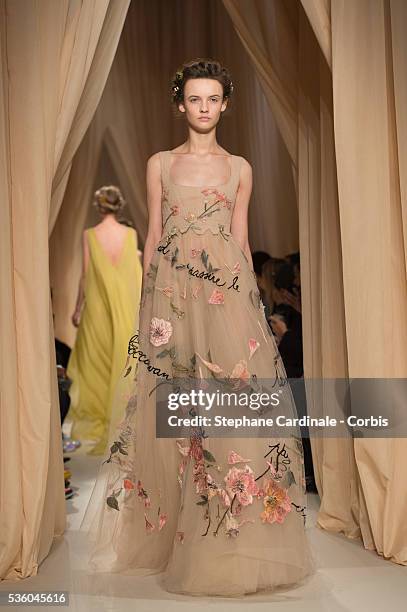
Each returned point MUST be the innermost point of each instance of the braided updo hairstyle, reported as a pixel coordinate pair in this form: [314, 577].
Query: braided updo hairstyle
[108, 199]
[200, 69]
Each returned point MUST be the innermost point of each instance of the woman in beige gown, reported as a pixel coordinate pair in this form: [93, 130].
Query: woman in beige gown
[218, 516]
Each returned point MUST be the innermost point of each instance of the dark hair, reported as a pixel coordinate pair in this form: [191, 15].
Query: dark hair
[200, 69]
[294, 258]
[284, 278]
[259, 258]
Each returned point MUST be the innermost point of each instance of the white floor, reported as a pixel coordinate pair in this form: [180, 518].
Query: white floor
[349, 578]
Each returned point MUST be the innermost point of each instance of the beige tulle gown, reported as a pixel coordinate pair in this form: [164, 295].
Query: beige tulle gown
[217, 516]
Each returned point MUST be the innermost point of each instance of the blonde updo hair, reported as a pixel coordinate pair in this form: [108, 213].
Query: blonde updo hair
[108, 199]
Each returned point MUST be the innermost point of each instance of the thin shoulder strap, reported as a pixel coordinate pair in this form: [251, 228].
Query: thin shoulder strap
[165, 159]
[236, 165]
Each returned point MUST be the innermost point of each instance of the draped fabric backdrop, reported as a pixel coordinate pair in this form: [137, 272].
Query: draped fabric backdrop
[55, 58]
[321, 90]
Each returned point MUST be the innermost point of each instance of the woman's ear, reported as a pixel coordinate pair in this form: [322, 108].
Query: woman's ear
[224, 105]
[181, 108]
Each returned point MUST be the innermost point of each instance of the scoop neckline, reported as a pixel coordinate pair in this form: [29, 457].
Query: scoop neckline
[201, 187]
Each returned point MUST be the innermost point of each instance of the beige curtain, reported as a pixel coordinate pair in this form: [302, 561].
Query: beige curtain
[135, 119]
[369, 59]
[351, 171]
[54, 60]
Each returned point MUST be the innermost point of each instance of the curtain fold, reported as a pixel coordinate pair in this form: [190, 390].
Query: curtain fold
[319, 16]
[85, 63]
[368, 58]
[269, 37]
[47, 65]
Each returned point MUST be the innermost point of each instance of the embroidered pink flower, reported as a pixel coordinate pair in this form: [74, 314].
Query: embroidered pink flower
[196, 252]
[196, 450]
[128, 484]
[217, 297]
[161, 521]
[149, 526]
[208, 191]
[235, 458]
[253, 346]
[276, 503]
[241, 482]
[175, 209]
[221, 197]
[160, 331]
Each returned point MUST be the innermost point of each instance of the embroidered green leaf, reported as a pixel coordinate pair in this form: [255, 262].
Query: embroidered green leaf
[174, 258]
[127, 372]
[289, 479]
[208, 456]
[180, 313]
[163, 353]
[114, 448]
[112, 502]
[201, 503]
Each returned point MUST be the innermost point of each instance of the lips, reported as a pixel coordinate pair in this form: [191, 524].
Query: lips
[204, 118]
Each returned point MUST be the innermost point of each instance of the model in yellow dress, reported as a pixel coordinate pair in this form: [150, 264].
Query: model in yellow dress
[109, 297]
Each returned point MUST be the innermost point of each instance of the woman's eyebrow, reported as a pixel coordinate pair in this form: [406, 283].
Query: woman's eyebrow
[211, 96]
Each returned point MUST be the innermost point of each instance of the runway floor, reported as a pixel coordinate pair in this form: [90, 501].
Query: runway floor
[349, 578]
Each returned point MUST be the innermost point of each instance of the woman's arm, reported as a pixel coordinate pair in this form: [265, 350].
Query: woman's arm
[154, 193]
[239, 225]
[76, 317]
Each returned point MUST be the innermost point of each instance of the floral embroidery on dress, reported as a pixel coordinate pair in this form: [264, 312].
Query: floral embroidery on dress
[240, 489]
[220, 198]
[232, 492]
[253, 346]
[276, 502]
[160, 331]
[217, 297]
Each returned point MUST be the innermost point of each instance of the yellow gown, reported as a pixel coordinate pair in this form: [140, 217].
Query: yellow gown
[112, 296]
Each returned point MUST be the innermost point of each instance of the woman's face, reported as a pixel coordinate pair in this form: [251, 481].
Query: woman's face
[203, 103]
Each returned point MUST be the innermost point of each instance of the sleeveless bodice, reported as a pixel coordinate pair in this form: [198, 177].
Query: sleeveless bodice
[187, 208]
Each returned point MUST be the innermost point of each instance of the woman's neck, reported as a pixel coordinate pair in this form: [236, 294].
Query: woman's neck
[201, 144]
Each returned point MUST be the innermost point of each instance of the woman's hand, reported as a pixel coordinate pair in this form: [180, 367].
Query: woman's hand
[293, 300]
[76, 318]
[279, 326]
